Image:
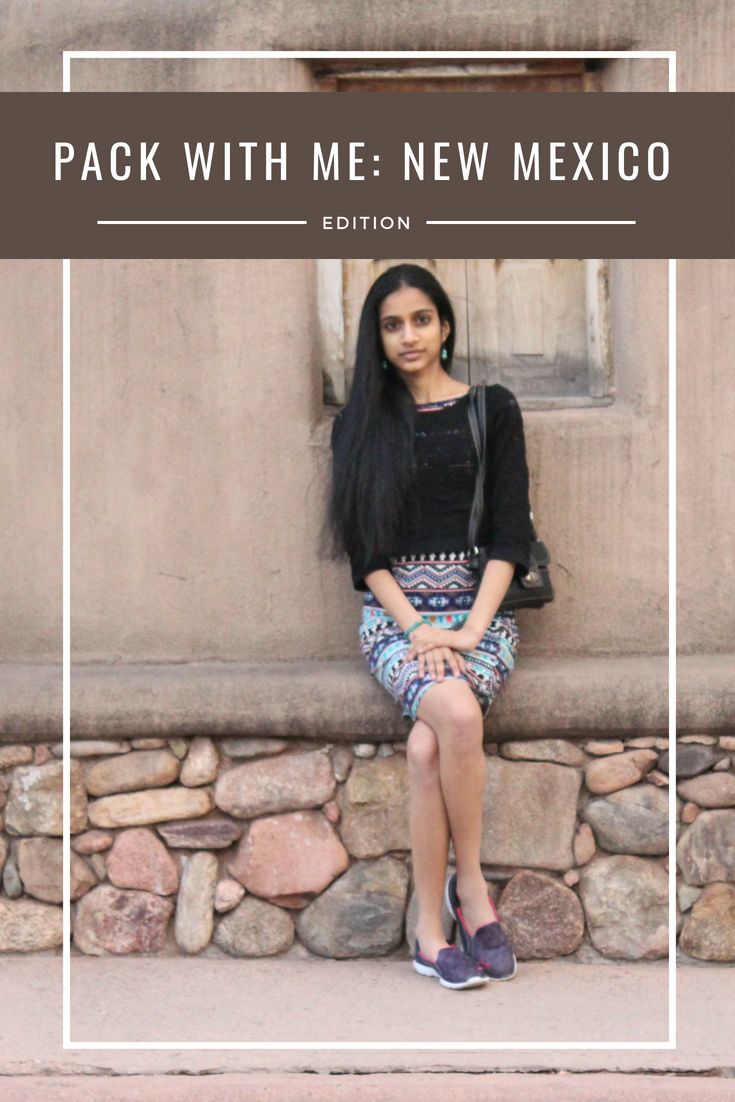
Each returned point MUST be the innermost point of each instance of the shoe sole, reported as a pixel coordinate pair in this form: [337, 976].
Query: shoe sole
[495, 979]
[425, 970]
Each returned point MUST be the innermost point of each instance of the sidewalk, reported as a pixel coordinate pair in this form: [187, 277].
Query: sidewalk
[213, 1000]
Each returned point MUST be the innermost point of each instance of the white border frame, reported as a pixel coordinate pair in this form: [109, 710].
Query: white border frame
[670, 1043]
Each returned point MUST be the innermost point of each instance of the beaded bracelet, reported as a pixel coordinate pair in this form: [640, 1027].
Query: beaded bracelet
[413, 627]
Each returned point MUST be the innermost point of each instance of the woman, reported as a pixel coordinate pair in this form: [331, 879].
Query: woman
[403, 480]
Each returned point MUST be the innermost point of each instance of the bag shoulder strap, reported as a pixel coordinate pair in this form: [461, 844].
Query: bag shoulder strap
[477, 414]
[477, 411]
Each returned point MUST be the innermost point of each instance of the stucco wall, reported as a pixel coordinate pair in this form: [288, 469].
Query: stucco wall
[199, 442]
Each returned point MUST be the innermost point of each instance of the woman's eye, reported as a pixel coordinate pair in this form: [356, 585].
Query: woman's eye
[424, 319]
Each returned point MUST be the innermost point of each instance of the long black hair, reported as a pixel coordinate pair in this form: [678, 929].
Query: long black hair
[370, 497]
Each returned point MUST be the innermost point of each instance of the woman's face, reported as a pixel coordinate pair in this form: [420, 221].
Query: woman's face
[411, 331]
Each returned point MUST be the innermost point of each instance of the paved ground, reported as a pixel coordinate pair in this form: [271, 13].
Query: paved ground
[214, 1002]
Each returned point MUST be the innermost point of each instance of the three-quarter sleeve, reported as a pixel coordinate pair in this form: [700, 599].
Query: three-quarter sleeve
[359, 570]
[506, 524]
[358, 573]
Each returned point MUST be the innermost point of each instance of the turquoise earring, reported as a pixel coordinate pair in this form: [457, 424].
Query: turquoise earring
[445, 354]
[385, 365]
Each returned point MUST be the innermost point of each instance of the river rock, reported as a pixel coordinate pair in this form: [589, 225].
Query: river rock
[255, 929]
[214, 832]
[11, 756]
[633, 820]
[97, 862]
[227, 894]
[544, 749]
[374, 805]
[12, 883]
[29, 927]
[360, 914]
[140, 808]
[131, 772]
[585, 846]
[35, 800]
[626, 903]
[342, 760]
[200, 764]
[364, 749]
[110, 920]
[40, 865]
[252, 747]
[710, 790]
[705, 851]
[691, 759]
[603, 747]
[92, 748]
[618, 771]
[194, 921]
[283, 855]
[709, 930]
[332, 811]
[92, 841]
[274, 784]
[529, 814]
[139, 859]
[543, 917]
[687, 896]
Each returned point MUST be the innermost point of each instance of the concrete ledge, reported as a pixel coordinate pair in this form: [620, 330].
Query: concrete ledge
[338, 699]
[705, 696]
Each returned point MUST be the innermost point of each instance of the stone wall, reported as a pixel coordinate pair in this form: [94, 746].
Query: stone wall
[252, 847]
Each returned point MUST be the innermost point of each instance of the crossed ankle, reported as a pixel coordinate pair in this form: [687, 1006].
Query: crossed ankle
[470, 882]
[430, 932]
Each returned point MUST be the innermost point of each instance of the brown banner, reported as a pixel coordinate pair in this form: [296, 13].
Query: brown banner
[445, 174]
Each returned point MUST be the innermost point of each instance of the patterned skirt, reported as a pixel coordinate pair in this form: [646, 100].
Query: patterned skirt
[441, 590]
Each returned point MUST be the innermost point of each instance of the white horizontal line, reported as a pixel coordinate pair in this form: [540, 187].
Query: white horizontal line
[532, 222]
[366, 53]
[201, 222]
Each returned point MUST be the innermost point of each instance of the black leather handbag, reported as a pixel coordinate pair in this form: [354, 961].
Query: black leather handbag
[526, 590]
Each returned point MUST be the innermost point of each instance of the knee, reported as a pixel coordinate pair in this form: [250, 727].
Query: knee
[422, 751]
[459, 717]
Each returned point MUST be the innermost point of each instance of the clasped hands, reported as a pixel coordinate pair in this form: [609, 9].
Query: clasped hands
[436, 647]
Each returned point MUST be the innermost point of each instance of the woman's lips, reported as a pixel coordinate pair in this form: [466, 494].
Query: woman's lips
[410, 355]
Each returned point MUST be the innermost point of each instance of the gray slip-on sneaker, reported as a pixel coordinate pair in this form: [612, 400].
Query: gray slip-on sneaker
[452, 967]
[488, 946]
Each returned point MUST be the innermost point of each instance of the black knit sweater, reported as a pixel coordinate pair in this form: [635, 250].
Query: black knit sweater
[444, 486]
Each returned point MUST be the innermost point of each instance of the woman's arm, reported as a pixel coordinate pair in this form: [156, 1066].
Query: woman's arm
[444, 645]
[389, 594]
[493, 587]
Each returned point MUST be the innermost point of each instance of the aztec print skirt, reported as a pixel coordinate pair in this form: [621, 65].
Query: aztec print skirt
[441, 590]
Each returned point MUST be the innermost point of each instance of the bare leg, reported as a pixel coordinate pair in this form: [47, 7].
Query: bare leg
[429, 828]
[451, 709]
